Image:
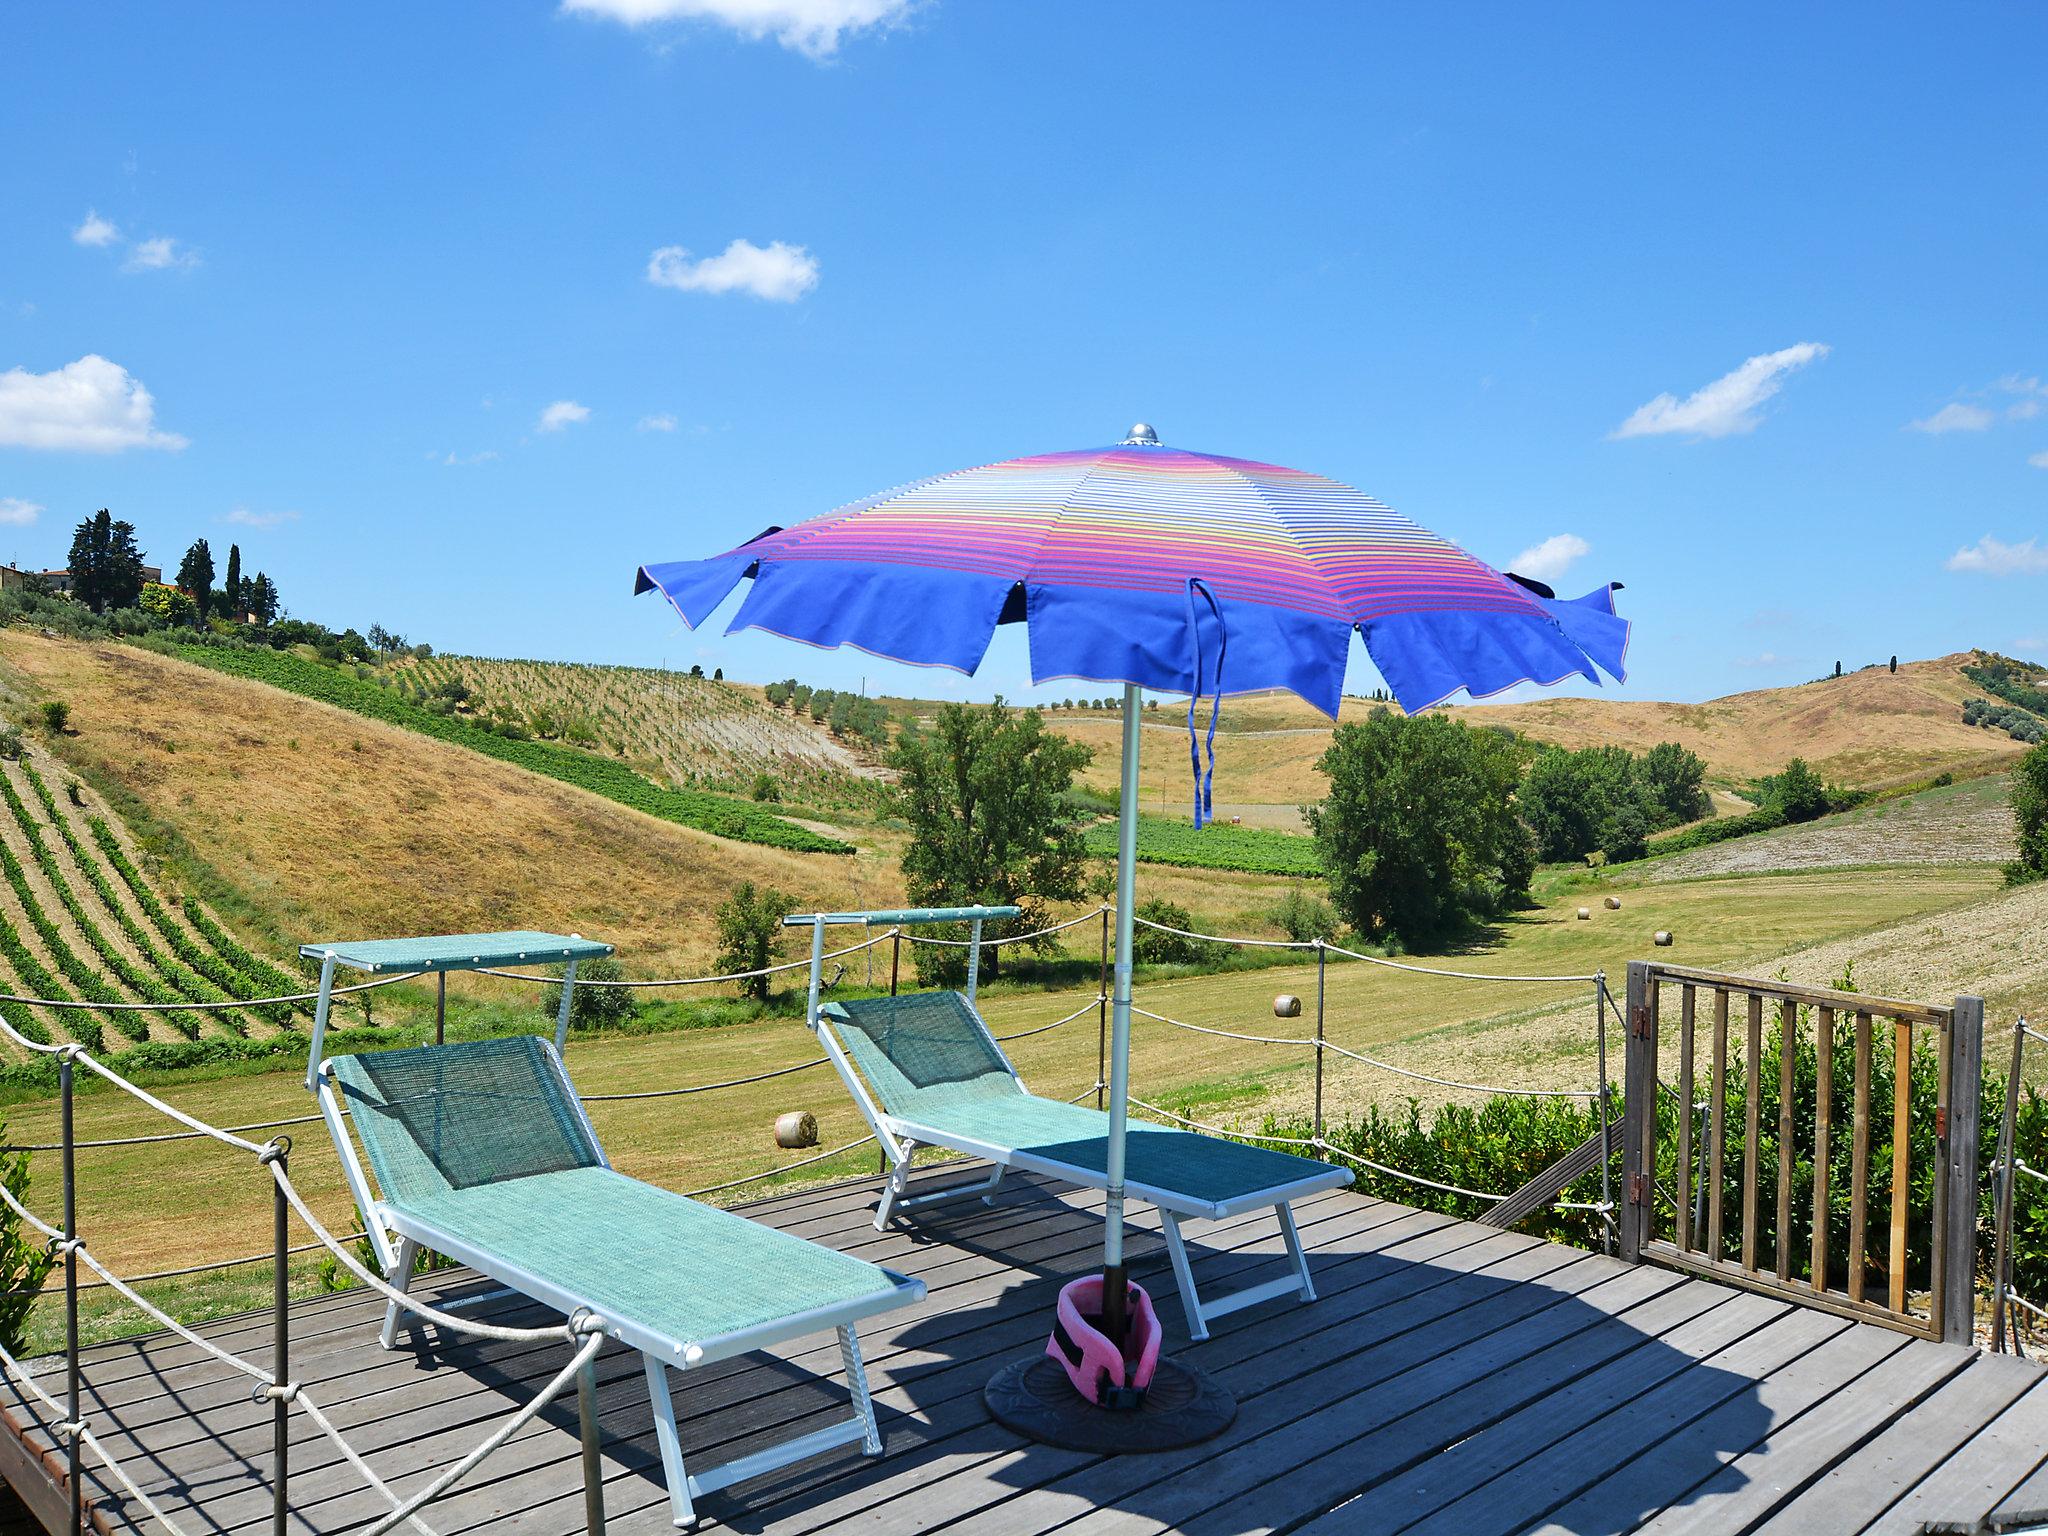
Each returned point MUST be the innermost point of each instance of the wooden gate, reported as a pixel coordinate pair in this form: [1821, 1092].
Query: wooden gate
[1816, 1145]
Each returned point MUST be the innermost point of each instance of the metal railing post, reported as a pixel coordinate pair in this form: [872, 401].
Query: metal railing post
[1102, 1015]
[1322, 967]
[280, 1354]
[1958, 1171]
[2001, 1173]
[441, 1008]
[895, 957]
[74, 1393]
[593, 1467]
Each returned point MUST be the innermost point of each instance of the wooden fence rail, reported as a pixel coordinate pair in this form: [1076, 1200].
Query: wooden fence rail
[1909, 1210]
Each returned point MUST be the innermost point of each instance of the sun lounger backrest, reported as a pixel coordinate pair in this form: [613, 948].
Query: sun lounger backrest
[922, 1050]
[440, 1118]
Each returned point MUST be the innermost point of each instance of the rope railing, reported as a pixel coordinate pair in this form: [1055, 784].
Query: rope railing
[583, 1334]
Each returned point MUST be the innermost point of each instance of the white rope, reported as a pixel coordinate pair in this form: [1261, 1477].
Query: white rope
[1450, 1082]
[2019, 1164]
[1412, 1178]
[755, 1178]
[1218, 938]
[2031, 1032]
[1008, 938]
[731, 1082]
[390, 1292]
[231, 1002]
[1423, 970]
[1024, 1034]
[300, 1398]
[2018, 1300]
[140, 1141]
[689, 981]
[440, 1485]
[228, 1138]
[86, 1438]
[1219, 1130]
[1203, 1029]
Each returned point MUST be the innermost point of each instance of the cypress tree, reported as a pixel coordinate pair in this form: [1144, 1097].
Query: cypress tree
[236, 601]
[195, 576]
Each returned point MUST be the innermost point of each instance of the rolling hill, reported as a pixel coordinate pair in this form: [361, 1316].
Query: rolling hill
[1866, 729]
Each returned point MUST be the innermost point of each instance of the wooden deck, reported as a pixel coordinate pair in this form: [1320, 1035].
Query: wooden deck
[1452, 1377]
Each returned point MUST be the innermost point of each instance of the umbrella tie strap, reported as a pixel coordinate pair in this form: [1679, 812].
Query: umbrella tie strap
[1204, 782]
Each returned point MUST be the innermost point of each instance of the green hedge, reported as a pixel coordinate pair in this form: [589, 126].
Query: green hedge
[735, 819]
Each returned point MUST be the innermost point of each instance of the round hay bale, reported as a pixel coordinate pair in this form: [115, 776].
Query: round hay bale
[1614, 903]
[798, 1128]
[1286, 1006]
[1585, 914]
[1661, 938]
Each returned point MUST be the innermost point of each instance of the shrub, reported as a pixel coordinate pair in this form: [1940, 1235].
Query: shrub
[1304, 916]
[24, 1261]
[765, 788]
[10, 742]
[56, 714]
[749, 933]
[1151, 947]
[594, 1007]
[2030, 811]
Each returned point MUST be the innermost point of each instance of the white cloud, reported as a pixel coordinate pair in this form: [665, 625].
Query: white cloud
[90, 406]
[95, 230]
[780, 272]
[1767, 659]
[1728, 405]
[17, 513]
[2038, 460]
[248, 519]
[1991, 557]
[1548, 561]
[562, 413]
[660, 421]
[1956, 417]
[160, 253]
[813, 27]
[465, 460]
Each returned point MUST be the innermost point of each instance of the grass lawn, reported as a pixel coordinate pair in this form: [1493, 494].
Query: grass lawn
[171, 1204]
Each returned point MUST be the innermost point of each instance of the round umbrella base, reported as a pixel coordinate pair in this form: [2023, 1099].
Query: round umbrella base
[1184, 1405]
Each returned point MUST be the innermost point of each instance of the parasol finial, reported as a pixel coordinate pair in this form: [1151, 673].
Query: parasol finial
[1142, 436]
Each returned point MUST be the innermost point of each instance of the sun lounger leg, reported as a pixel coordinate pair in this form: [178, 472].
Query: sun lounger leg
[683, 1512]
[399, 1275]
[857, 1385]
[899, 1180]
[1183, 1276]
[1294, 1250]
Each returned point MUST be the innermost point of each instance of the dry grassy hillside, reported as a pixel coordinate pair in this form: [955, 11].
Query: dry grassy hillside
[335, 825]
[1867, 728]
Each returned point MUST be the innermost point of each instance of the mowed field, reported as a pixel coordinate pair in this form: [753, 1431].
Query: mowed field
[180, 1203]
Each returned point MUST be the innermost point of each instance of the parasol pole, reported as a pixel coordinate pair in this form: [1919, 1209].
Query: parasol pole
[1113, 1281]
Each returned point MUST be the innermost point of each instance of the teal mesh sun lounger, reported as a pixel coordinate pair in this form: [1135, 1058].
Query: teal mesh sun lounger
[481, 1151]
[930, 1074]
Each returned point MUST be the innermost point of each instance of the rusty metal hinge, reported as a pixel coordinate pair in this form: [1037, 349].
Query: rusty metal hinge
[1641, 1022]
[1941, 1123]
[1639, 1189]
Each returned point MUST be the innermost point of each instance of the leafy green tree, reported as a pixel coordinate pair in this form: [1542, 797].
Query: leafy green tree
[234, 601]
[1677, 780]
[106, 565]
[195, 576]
[1420, 832]
[2030, 810]
[749, 933]
[1152, 946]
[1304, 916]
[1797, 794]
[168, 603]
[259, 599]
[983, 791]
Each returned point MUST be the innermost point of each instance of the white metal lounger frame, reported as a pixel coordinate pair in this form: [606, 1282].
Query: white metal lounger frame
[659, 1352]
[900, 1138]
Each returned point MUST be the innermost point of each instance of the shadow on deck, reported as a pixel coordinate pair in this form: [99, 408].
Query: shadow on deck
[1451, 1377]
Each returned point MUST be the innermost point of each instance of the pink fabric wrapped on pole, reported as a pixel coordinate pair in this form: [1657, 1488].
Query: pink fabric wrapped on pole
[1108, 1376]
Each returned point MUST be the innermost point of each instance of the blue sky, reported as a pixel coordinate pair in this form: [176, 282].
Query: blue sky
[439, 310]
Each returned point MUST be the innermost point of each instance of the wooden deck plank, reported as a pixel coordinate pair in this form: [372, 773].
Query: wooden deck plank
[1861, 1487]
[1963, 1490]
[1461, 1377]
